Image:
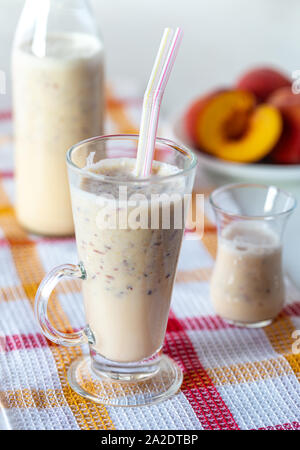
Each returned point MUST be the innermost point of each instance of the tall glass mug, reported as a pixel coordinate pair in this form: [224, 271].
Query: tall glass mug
[128, 233]
[247, 285]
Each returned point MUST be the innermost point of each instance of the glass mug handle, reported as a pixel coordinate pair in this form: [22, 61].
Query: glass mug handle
[44, 291]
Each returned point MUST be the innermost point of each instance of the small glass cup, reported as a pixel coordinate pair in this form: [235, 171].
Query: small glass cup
[128, 271]
[247, 284]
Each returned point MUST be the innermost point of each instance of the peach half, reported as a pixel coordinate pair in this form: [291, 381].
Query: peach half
[229, 125]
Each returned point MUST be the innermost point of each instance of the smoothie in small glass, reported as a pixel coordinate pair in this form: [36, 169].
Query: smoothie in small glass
[247, 284]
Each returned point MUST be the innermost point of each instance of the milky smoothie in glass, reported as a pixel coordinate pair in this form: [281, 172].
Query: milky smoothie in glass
[130, 272]
[247, 282]
[58, 101]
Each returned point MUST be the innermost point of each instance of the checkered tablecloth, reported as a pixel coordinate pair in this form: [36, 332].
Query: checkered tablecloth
[234, 378]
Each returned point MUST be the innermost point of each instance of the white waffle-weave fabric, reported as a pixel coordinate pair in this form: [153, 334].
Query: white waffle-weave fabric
[234, 378]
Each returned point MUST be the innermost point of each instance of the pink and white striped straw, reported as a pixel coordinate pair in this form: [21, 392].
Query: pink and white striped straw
[152, 99]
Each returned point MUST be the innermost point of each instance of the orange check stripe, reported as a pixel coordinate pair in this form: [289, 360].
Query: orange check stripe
[5, 139]
[11, 293]
[209, 237]
[188, 276]
[280, 336]
[247, 372]
[26, 398]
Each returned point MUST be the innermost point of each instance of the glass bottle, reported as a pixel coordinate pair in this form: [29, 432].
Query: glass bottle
[58, 100]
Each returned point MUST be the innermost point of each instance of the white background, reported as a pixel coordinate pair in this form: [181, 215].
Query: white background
[222, 38]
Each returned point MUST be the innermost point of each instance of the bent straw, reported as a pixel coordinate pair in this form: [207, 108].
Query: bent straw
[160, 74]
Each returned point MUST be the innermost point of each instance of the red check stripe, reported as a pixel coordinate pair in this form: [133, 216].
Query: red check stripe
[196, 323]
[284, 426]
[197, 386]
[6, 174]
[5, 115]
[23, 341]
[175, 325]
[291, 310]
[212, 323]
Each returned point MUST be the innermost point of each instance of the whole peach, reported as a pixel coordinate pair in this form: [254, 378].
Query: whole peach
[287, 151]
[262, 81]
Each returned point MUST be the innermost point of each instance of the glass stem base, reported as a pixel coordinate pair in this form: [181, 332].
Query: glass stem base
[261, 324]
[111, 385]
[125, 372]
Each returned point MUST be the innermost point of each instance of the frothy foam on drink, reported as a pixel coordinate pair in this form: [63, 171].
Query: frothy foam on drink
[123, 168]
[253, 237]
